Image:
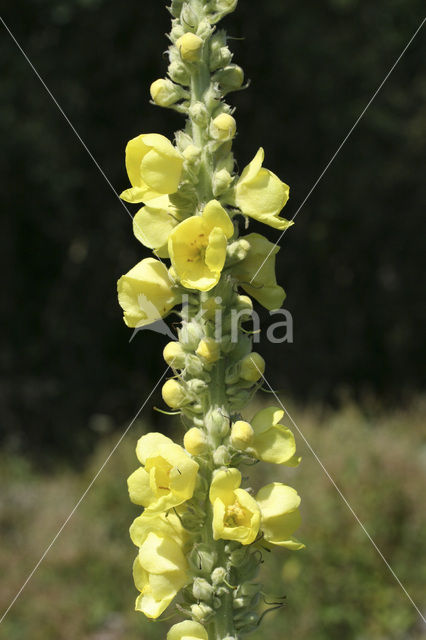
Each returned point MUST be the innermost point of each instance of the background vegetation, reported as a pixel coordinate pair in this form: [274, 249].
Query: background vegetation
[352, 266]
[336, 588]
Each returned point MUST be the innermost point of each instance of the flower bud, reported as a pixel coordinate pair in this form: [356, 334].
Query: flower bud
[177, 30]
[195, 441]
[238, 250]
[208, 349]
[220, 55]
[240, 602]
[211, 306]
[252, 367]
[190, 47]
[221, 456]
[201, 612]
[190, 335]
[223, 127]
[178, 73]
[244, 302]
[174, 355]
[188, 16]
[238, 557]
[194, 366]
[221, 181]
[176, 8]
[165, 93]
[230, 78]
[192, 153]
[218, 575]
[202, 590]
[217, 424]
[199, 114]
[241, 434]
[204, 29]
[173, 394]
[196, 386]
[202, 558]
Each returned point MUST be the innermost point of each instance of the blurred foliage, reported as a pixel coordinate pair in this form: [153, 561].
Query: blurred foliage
[338, 587]
[351, 266]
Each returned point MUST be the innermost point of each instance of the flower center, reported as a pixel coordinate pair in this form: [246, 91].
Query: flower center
[159, 471]
[236, 516]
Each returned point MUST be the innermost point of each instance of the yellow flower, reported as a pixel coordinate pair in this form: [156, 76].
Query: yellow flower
[260, 194]
[208, 349]
[259, 266]
[167, 477]
[195, 441]
[145, 293]
[279, 506]
[190, 47]
[197, 247]
[159, 571]
[236, 515]
[154, 167]
[187, 630]
[153, 224]
[272, 441]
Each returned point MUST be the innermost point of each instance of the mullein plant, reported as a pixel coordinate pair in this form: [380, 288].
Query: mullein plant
[202, 531]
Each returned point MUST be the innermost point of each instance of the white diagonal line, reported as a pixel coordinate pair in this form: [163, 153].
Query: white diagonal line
[64, 115]
[80, 500]
[84, 145]
[345, 139]
[342, 496]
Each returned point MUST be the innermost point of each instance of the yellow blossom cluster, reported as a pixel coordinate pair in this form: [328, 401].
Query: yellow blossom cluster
[203, 529]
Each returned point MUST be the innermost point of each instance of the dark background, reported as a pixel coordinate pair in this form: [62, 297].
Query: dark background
[352, 265]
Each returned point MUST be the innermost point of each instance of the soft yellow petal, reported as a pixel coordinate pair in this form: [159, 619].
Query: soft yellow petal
[279, 530]
[187, 630]
[167, 525]
[151, 607]
[214, 215]
[134, 194]
[252, 169]
[139, 487]
[260, 194]
[149, 445]
[140, 576]
[266, 418]
[165, 585]
[276, 445]
[277, 499]
[145, 293]
[256, 272]
[158, 554]
[161, 167]
[216, 250]
[224, 482]
[135, 150]
[152, 226]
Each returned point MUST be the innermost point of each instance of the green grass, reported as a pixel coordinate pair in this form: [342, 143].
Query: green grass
[338, 588]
